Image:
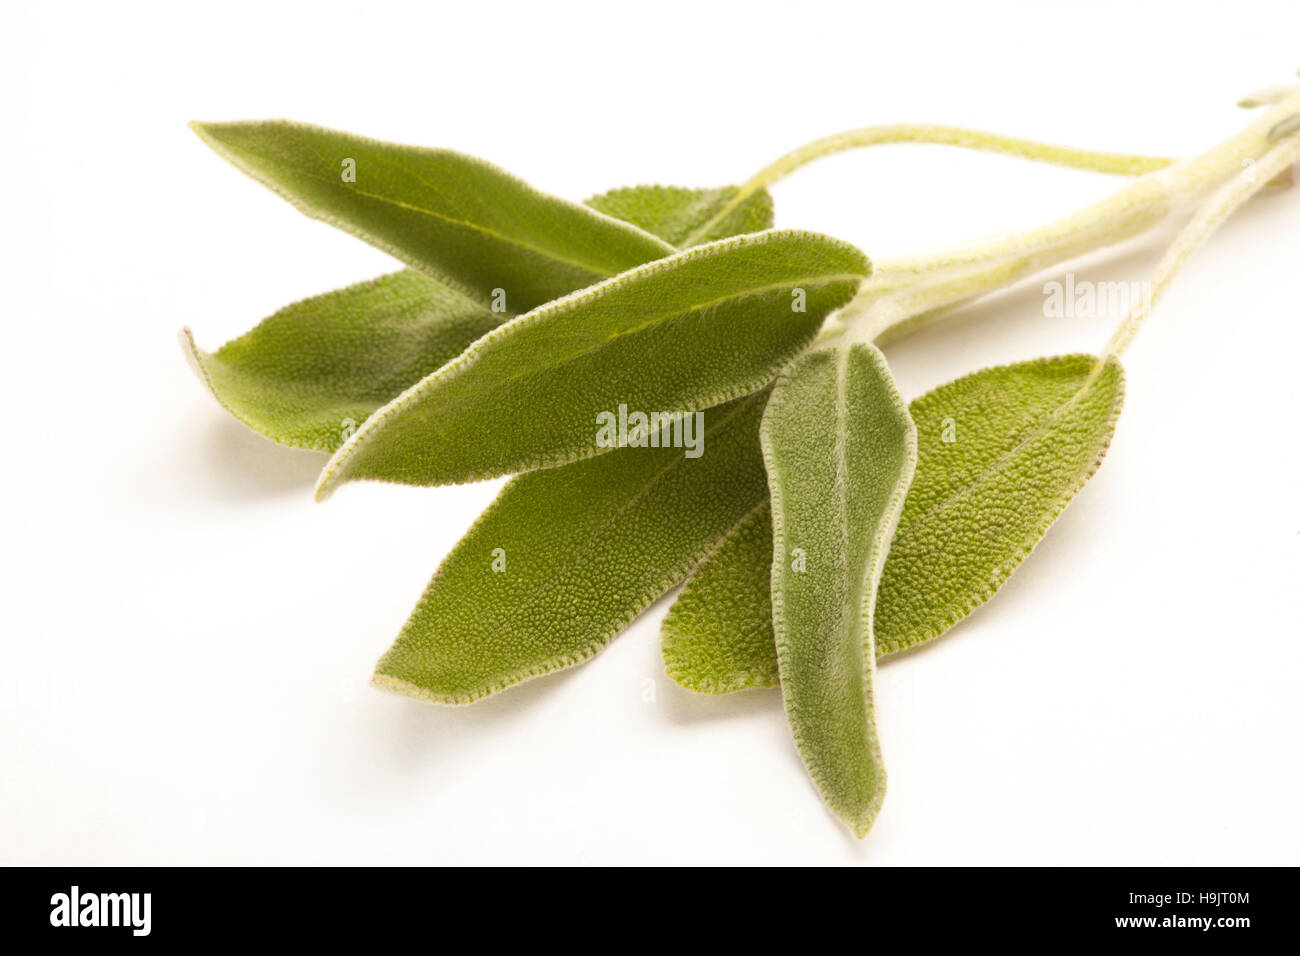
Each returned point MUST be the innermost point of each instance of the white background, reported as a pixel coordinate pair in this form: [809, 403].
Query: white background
[186, 639]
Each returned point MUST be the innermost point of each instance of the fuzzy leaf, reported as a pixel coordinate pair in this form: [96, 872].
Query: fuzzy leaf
[310, 374]
[840, 449]
[717, 636]
[1025, 441]
[636, 520]
[582, 550]
[454, 217]
[673, 213]
[684, 333]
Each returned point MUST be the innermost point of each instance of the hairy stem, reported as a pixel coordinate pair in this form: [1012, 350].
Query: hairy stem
[903, 291]
[1125, 212]
[1116, 163]
[1208, 218]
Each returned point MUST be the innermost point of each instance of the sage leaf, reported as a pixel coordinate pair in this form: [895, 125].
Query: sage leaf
[310, 374]
[678, 335]
[565, 558]
[717, 636]
[1001, 453]
[840, 449]
[454, 217]
[675, 214]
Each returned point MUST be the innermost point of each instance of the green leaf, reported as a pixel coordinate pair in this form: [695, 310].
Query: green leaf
[673, 213]
[717, 636]
[565, 558]
[310, 374]
[840, 449]
[1025, 438]
[684, 333]
[454, 217]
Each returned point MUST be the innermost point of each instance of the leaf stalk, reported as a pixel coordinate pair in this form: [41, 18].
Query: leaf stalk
[904, 294]
[1123, 164]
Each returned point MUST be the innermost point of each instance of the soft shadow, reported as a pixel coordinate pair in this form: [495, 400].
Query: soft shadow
[417, 730]
[236, 462]
[682, 706]
[679, 705]
[1071, 538]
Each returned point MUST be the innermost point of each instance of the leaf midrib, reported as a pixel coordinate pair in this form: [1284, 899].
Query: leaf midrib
[1001, 462]
[652, 321]
[484, 230]
[852, 589]
[376, 423]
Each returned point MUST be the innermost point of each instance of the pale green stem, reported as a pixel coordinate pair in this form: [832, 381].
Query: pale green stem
[1125, 212]
[903, 289]
[886, 308]
[1212, 214]
[1267, 96]
[1115, 163]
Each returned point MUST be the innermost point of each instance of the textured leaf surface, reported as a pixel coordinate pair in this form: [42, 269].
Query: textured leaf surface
[454, 217]
[840, 449]
[681, 334]
[717, 636]
[310, 374]
[1025, 441]
[584, 549]
[674, 213]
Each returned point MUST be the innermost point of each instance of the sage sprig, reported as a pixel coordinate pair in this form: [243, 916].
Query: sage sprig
[823, 522]
[310, 374]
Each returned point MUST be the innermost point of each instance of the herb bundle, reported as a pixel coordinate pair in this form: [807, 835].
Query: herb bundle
[686, 394]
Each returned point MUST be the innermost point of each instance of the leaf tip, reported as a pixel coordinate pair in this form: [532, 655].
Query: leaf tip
[864, 819]
[339, 468]
[390, 684]
[193, 359]
[211, 134]
[395, 685]
[324, 486]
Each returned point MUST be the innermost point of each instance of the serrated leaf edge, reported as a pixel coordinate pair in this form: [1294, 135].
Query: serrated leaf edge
[884, 534]
[334, 472]
[645, 598]
[1004, 572]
